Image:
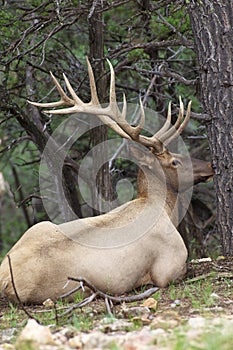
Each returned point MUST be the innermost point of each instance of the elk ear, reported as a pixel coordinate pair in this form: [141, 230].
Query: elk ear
[142, 155]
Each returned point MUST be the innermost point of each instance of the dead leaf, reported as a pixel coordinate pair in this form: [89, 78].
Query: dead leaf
[151, 303]
[48, 303]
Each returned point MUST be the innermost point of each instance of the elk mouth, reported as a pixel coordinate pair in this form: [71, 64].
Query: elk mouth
[202, 171]
[203, 178]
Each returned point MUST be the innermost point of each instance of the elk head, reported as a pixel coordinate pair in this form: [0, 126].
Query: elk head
[177, 170]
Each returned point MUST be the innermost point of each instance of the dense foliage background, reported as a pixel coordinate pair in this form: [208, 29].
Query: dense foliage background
[150, 44]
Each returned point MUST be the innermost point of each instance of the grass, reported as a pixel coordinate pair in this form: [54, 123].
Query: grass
[209, 339]
[82, 322]
[12, 318]
[197, 297]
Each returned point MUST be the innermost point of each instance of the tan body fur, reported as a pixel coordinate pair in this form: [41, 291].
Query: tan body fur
[46, 254]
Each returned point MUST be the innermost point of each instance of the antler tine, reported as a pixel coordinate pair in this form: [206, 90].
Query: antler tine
[165, 135]
[65, 100]
[94, 96]
[107, 115]
[186, 120]
[173, 128]
[166, 125]
[112, 97]
[132, 131]
[77, 100]
[181, 113]
[112, 116]
[175, 132]
[141, 124]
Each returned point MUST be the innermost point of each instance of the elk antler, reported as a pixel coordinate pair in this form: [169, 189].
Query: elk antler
[113, 117]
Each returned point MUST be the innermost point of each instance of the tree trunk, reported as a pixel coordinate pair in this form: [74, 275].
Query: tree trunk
[212, 24]
[103, 185]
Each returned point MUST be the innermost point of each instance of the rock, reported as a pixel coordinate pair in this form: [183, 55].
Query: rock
[177, 302]
[215, 296]
[114, 325]
[197, 322]
[7, 335]
[143, 339]
[135, 311]
[144, 320]
[202, 260]
[35, 333]
[96, 340]
[75, 342]
[160, 323]
[7, 346]
[59, 338]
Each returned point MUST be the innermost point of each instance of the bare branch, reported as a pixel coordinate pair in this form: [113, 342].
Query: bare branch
[163, 72]
[170, 26]
[125, 48]
[16, 293]
[204, 117]
[177, 77]
[15, 142]
[39, 43]
[21, 195]
[107, 298]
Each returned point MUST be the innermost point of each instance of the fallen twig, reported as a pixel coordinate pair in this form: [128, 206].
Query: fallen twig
[109, 299]
[79, 305]
[214, 274]
[63, 296]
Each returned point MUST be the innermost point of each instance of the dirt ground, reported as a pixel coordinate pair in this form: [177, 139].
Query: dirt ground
[204, 297]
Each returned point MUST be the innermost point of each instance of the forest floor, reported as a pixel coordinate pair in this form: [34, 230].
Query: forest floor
[195, 314]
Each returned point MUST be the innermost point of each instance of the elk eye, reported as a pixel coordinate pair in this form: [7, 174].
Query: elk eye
[176, 162]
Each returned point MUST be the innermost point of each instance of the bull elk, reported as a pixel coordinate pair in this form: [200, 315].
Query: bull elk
[47, 253]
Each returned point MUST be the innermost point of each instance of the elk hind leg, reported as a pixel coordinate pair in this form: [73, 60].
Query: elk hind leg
[165, 271]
